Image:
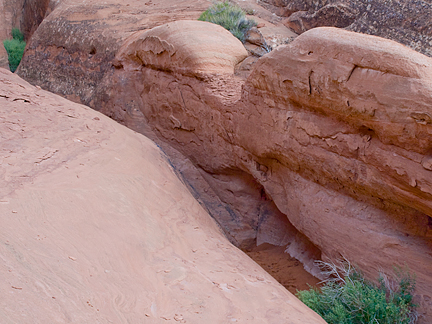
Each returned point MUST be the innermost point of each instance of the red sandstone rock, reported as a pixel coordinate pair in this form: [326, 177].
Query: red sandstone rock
[188, 47]
[33, 13]
[4, 61]
[96, 227]
[9, 18]
[24, 15]
[249, 207]
[81, 39]
[355, 183]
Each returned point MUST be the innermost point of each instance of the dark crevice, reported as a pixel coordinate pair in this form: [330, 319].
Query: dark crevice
[310, 82]
[33, 13]
[351, 73]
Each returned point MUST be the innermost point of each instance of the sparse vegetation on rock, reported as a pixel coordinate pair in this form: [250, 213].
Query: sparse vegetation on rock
[229, 16]
[15, 48]
[348, 298]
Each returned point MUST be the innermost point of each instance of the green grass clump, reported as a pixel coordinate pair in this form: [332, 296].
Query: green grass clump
[348, 298]
[229, 16]
[15, 48]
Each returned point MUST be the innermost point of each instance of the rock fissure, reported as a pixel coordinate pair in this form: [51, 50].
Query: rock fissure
[349, 76]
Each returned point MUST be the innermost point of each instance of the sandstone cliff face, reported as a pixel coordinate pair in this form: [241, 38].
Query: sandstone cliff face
[338, 139]
[97, 228]
[10, 14]
[407, 22]
[205, 52]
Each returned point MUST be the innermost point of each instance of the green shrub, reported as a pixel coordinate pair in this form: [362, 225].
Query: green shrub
[15, 48]
[229, 16]
[16, 34]
[348, 298]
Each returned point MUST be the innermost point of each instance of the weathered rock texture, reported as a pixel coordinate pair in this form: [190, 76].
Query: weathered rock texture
[97, 228]
[10, 16]
[407, 22]
[4, 61]
[33, 12]
[336, 128]
[236, 199]
[76, 45]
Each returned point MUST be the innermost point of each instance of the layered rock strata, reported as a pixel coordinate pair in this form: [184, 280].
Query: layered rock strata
[338, 138]
[75, 46]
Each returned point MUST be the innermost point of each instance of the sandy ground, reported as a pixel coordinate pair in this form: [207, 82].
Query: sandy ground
[287, 270]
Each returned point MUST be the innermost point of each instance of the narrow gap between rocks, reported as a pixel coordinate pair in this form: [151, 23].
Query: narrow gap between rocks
[287, 270]
[257, 226]
[281, 250]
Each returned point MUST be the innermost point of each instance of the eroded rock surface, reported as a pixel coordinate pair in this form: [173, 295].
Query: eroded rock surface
[33, 13]
[9, 17]
[76, 45]
[4, 61]
[97, 228]
[338, 138]
[210, 49]
[246, 209]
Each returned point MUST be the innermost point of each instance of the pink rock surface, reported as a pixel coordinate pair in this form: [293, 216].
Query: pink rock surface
[97, 228]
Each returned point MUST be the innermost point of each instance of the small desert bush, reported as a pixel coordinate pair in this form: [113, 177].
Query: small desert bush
[229, 16]
[348, 298]
[15, 48]
[16, 34]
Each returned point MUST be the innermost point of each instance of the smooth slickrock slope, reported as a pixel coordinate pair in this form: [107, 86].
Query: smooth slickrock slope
[97, 228]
